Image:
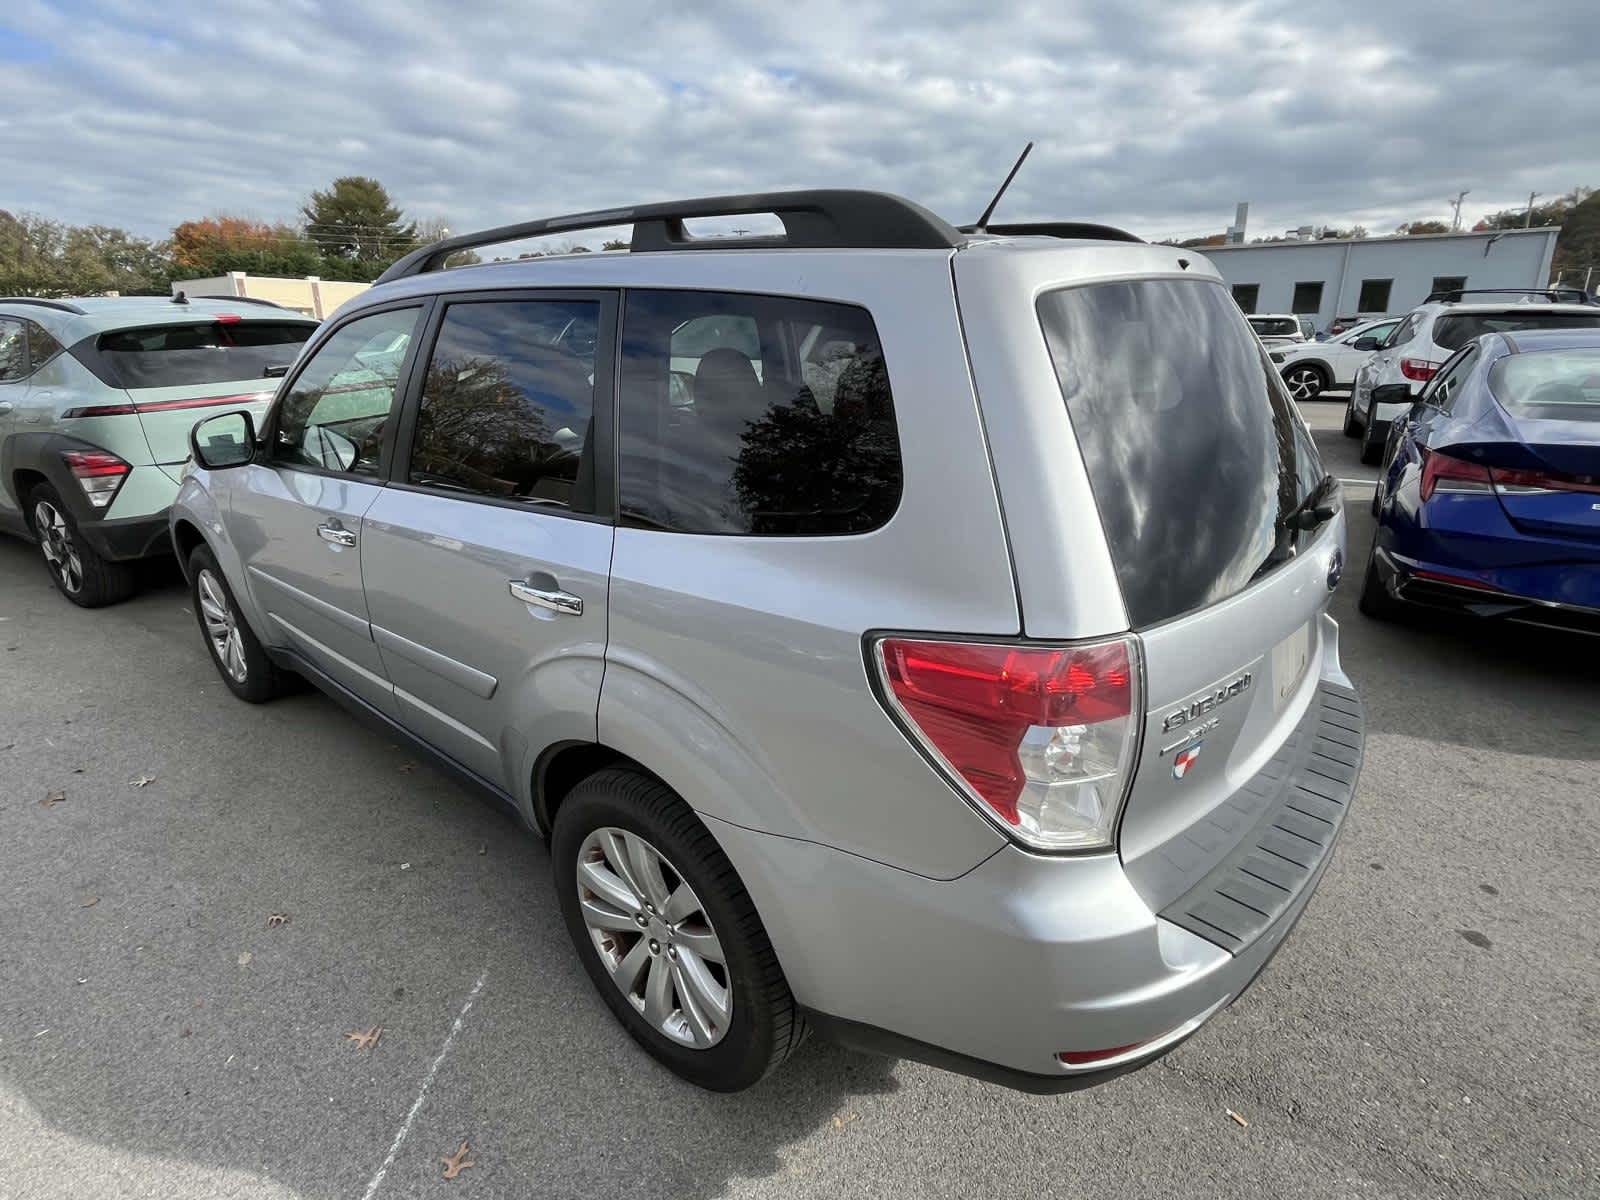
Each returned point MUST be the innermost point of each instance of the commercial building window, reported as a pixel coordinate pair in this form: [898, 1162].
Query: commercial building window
[1307, 297]
[1245, 295]
[760, 415]
[1447, 283]
[1374, 296]
[507, 402]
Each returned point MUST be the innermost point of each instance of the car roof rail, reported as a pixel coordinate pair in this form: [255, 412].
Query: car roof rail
[1556, 295]
[65, 306]
[823, 219]
[1083, 230]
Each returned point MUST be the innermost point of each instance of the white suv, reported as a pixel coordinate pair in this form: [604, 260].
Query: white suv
[1311, 368]
[1386, 386]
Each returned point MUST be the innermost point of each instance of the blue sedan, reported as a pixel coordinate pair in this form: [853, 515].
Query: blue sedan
[1489, 498]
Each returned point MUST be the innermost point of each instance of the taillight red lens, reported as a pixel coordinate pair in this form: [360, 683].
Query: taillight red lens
[1042, 736]
[1543, 481]
[1418, 369]
[98, 472]
[1441, 473]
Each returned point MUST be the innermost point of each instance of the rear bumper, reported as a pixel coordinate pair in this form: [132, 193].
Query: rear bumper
[1525, 596]
[996, 972]
[131, 538]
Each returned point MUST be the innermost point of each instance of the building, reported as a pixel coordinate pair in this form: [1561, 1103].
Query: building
[312, 296]
[1337, 277]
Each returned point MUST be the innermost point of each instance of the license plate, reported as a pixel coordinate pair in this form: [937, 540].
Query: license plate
[1290, 658]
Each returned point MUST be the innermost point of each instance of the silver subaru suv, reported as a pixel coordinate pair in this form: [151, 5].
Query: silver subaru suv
[912, 634]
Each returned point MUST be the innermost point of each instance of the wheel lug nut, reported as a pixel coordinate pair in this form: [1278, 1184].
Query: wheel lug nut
[639, 920]
[655, 946]
[672, 953]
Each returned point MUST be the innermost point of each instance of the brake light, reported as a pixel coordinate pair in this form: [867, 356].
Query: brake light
[227, 318]
[98, 472]
[1542, 481]
[1418, 369]
[1041, 737]
[1441, 473]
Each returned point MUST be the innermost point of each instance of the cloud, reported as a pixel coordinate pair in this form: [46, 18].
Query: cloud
[1154, 114]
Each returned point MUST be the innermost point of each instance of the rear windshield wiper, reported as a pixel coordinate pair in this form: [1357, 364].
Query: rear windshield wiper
[1311, 511]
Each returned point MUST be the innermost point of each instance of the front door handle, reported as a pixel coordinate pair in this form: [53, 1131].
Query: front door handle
[5, 407]
[552, 598]
[336, 535]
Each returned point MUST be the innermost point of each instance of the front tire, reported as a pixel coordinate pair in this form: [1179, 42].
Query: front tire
[235, 651]
[78, 571]
[652, 904]
[1305, 382]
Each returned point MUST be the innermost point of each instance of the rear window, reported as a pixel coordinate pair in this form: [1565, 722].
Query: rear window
[1551, 385]
[1275, 326]
[196, 355]
[1192, 448]
[1454, 330]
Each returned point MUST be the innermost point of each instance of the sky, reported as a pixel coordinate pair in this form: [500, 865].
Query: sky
[1155, 115]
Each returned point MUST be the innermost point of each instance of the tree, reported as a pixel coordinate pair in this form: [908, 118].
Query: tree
[615, 245]
[1552, 212]
[1578, 244]
[217, 245]
[355, 221]
[41, 257]
[1416, 227]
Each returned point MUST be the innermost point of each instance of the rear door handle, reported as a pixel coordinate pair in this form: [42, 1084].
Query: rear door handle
[552, 598]
[336, 535]
[5, 407]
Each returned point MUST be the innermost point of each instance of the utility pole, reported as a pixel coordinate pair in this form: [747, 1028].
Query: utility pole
[1455, 223]
[1527, 220]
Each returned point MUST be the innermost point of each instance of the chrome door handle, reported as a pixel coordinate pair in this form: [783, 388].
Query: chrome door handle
[5, 407]
[552, 598]
[339, 537]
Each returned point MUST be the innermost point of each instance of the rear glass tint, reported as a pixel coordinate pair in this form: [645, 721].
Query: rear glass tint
[200, 354]
[1192, 448]
[1454, 330]
[1551, 385]
[1275, 326]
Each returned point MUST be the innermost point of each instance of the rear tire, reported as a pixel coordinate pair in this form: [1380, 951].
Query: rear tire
[79, 573]
[1371, 448]
[610, 928]
[1305, 382]
[1352, 427]
[235, 651]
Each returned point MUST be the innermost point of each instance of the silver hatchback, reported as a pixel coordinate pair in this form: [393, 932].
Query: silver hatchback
[911, 634]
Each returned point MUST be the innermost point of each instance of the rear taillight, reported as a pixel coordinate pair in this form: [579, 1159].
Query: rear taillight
[1418, 369]
[98, 472]
[1523, 482]
[1041, 737]
[1441, 473]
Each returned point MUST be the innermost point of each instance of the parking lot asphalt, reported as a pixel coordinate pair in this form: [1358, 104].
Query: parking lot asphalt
[1431, 1029]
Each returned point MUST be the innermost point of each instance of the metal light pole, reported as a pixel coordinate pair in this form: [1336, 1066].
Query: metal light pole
[1527, 220]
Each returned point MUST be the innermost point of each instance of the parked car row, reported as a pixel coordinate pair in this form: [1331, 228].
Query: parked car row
[757, 581]
[1311, 368]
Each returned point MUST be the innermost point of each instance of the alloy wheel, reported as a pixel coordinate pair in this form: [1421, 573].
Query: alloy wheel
[1304, 383]
[222, 626]
[55, 539]
[654, 937]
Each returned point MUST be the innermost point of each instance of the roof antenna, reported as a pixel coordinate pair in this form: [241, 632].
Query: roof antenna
[180, 298]
[983, 221]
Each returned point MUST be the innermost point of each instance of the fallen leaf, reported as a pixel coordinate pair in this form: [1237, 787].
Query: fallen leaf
[456, 1163]
[365, 1039]
[51, 799]
[142, 781]
[1238, 1120]
[244, 959]
[89, 902]
[406, 769]
[277, 920]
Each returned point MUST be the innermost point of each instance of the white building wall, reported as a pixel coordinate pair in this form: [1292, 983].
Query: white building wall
[1516, 258]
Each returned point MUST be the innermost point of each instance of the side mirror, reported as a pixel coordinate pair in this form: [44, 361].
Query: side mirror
[226, 440]
[1392, 393]
[1361, 343]
[276, 372]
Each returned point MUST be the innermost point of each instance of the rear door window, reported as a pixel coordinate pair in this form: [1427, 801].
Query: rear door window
[507, 405]
[1192, 448]
[763, 415]
[1454, 330]
[198, 354]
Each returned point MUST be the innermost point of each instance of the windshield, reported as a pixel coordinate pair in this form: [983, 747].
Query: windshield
[1552, 385]
[1454, 330]
[196, 355]
[1193, 449]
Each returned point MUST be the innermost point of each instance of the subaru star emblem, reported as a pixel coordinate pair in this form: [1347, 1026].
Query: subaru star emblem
[1185, 760]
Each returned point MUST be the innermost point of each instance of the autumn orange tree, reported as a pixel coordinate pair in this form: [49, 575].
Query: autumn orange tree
[215, 245]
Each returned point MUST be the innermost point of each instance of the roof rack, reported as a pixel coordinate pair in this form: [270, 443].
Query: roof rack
[1059, 229]
[59, 305]
[825, 219]
[1556, 295]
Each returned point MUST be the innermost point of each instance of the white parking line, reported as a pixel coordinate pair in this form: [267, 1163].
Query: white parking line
[1359, 482]
[427, 1082]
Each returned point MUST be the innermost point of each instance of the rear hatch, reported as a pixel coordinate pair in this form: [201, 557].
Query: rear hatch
[176, 373]
[1199, 465]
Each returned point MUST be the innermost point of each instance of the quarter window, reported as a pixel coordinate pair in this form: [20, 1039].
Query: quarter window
[41, 346]
[337, 410]
[754, 415]
[13, 351]
[508, 403]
